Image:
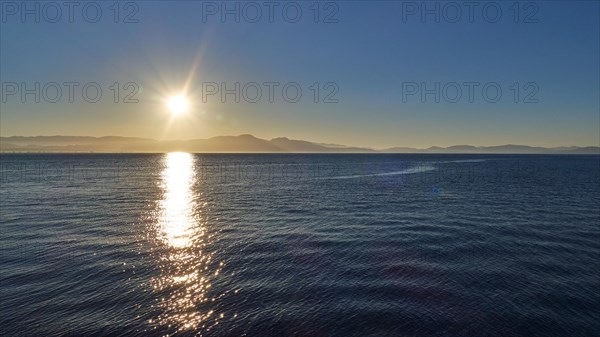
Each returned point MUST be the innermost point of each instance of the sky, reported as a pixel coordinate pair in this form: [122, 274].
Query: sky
[360, 73]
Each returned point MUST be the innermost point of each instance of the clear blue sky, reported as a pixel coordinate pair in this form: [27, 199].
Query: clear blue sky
[370, 53]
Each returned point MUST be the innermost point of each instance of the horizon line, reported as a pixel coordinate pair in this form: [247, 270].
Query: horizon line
[321, 143]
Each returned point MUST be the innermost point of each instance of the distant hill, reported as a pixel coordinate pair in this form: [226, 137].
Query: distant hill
[500, 149]
[245, 143]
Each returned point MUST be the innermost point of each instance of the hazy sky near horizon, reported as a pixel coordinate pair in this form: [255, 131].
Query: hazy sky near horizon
[372, 57]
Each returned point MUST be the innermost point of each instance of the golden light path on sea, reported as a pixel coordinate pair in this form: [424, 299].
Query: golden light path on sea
[185, 265]
[177, 219]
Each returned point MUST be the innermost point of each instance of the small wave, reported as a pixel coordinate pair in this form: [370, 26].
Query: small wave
[394, 173]
[465, 161]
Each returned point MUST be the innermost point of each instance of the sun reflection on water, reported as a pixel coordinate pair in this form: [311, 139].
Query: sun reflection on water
[177, 219]
[185, 265]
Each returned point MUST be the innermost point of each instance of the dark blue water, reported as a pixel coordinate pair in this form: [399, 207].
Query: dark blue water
[299, 245]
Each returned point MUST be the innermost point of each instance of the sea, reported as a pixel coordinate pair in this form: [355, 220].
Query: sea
[182, 244]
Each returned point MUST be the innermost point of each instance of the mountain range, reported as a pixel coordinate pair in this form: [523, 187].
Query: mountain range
[245, 143]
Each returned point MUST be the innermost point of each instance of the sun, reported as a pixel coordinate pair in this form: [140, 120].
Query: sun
[177, 104]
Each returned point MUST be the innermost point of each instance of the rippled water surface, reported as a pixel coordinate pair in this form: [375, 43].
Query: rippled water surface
[299, 245]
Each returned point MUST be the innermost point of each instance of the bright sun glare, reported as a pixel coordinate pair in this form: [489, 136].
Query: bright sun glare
[177, 104]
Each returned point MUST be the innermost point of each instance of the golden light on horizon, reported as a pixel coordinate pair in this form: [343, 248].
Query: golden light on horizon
[178, 104]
